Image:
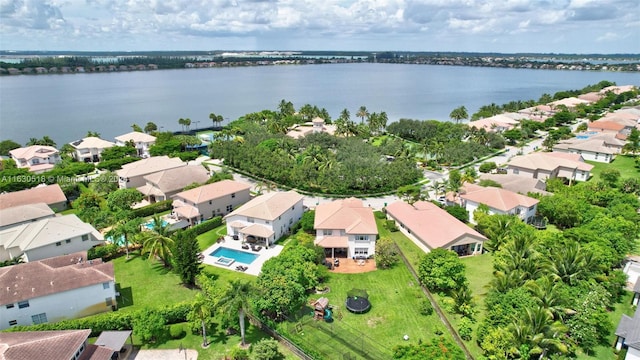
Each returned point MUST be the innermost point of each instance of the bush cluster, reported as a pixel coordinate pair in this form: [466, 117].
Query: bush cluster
[204, 226]
[152, 209]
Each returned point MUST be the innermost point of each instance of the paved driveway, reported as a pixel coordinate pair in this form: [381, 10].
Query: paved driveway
[174, 354]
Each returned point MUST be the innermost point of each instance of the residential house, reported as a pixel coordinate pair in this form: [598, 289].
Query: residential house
[64, 345]
[90, 149]
[23, 214]
[518, 184]
[499, 201]
[162, 185]
[601, 148]
[141, 141]
[538, 113]
[636, 294]
[346, 228]
[591, 96]
[48, 237]
[36, 158]
[317, 125]
[618, 89]
[55, 289]
[628, 335]
[266, 218]
[132, 175]
[51, 195]
[550, 165]
[571, 103]
[211, 200]
[496, 123]
[431, 227]
[632, 270]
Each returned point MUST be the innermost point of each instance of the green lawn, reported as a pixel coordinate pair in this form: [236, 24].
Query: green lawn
[623, 163]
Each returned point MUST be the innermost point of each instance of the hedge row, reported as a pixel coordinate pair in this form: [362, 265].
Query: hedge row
[204, 226]
[116, 320]
[152, 209]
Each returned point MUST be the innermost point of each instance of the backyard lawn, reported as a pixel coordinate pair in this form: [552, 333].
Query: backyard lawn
[623, 163]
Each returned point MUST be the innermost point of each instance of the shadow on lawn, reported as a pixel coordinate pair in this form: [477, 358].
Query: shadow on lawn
[126, 296]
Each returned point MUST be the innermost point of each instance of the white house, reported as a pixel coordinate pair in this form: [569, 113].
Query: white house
[48, 237]
[141, 141]
[90, 148]
[628, 335]
[36, 158]
[601, 148]
[346, 228]
[266, 218]
[499, 201]
[545, 165]
[162, 185]
[431, 227]
[211, 200]
[132, 175]
[23, 214]
[54, 289]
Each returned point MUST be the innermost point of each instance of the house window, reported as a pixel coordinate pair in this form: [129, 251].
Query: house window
[210, 202]
[531, 208]
[326, 232]
[39, 318]
[23, 304]
[13, 322]
[108, 301]
[251, 220]
[58, 243]
[361, 251]
[267, 222]
[67, 241]
[105, 285]
[233, 195]
[362, 237]
[293, 207]
[516, 171]
[229, 208]
[10, 306]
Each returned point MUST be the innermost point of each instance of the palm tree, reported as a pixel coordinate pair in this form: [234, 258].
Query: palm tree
[546, 293]
[156, 241]
[459, 113]
[125, 229]
[362, 113]
[216, 119]
[345, 115]
[235, 299]
[537, 329]
[202, 310]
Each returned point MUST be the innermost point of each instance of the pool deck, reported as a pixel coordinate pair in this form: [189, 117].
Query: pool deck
[254, 267]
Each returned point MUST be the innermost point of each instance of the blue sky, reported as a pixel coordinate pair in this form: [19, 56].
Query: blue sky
[559, 26]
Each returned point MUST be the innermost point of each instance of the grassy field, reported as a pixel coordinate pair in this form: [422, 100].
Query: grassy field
[623, 163]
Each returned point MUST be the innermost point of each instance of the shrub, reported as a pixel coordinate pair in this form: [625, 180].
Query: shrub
[152, 209]
[391, 225]
[205, 226]
[239, 354]
[464, 329]
[426, 308]
[176, 331]
[380, 215]
[265, 349]
[104, 252]
[487, 167]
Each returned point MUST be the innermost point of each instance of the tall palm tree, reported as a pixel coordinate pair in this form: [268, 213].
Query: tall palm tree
[156, 241]
[546, 292]
[459, 113]
[125, 228]
[235, 300]
[345, 115]
[362, 113]
[216, 119]
[537, 329]
[202, 310]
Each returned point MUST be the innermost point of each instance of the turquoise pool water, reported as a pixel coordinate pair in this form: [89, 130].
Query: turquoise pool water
[119, 241]
[239, 256]
[149, 225]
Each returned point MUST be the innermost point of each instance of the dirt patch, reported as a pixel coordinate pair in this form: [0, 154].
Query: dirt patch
[375, 321]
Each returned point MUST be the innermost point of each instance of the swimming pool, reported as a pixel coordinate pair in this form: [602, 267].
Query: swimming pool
[150, 224]
[237, 255]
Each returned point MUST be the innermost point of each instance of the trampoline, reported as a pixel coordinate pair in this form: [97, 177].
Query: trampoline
[357, 301]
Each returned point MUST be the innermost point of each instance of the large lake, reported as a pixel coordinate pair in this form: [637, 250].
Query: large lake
[65, 107]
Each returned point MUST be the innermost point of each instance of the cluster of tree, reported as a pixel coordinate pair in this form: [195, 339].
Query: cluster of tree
[175, 146]
[551, 291]
[318, 162]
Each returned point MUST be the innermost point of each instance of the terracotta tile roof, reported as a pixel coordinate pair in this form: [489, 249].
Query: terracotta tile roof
[49, 276]
[332, 242]
[549, 161]
[569, 102]
[591, 145]
[136, 136]
[177, 178]
[268, 206]
[518, 183]
[35, 151]
[349, 214]
[591, 97]
[92, 142]
[430, 224]
[50, 345]
[149, 166]
[605, 125]
[49, 194]
[257, 230]
[46, 231]
[23, 213]
[212, 191]
[496, 198]
[617, 89]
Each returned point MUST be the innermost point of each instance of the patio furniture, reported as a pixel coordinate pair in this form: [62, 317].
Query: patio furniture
[256, 248]
[245, 246]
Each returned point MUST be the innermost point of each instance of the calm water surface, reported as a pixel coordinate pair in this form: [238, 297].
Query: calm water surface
[65, 107]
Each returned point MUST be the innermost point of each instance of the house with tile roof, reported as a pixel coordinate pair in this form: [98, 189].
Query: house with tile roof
[431, 227]
[23, 214]
[315, 126]
[346, 228]
[496, 123]
[628, 335]
[90, 148]
[55, 289]
[571, 102]
[601, 147]
[63, 345]
[48, 237]
[51, 195]
[162, 185]
[141, 141]
[550, 165]
[518, 184]
[211, 200]
[132, 175]
[36, 158]
[500, 201]
[265, 218]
